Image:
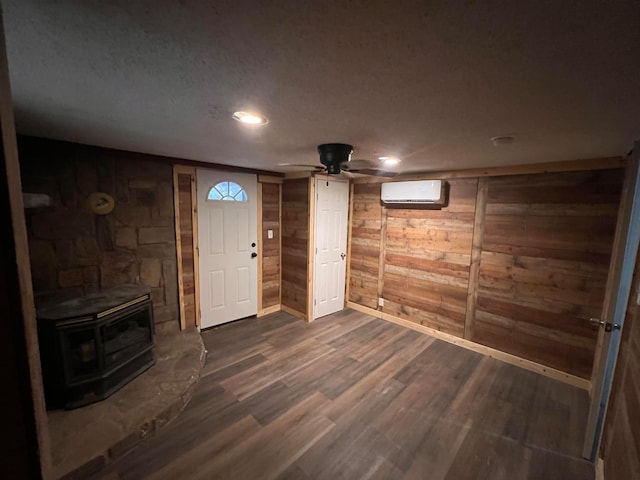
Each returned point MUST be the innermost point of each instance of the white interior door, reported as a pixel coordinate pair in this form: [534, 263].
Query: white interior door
[227, 237]
[332, 207]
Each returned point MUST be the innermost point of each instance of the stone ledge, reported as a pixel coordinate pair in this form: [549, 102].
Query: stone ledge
[84, 440]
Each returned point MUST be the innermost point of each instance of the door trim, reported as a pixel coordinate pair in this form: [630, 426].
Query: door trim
[623, 257]
[311, 257]
[191, 172]
[347, 282]
[311, 291]
[196, 234]
[259, 242]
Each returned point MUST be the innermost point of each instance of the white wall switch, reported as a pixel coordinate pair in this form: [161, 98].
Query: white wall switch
[269, 234]
[380, 302]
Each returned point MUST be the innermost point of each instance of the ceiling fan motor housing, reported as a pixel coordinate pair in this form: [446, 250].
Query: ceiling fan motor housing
[333, 155]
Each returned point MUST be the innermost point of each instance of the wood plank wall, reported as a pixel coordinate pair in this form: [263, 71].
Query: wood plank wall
[270, 246]
[544, 248]
[187, 256]
[295, 238]
[427, 258]
[365, 245]
[543, 270]
[621, 441]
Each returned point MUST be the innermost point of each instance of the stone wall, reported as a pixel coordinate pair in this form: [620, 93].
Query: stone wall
[74, 251]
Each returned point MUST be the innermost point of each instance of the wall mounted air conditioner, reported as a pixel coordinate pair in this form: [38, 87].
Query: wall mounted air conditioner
[424, 193]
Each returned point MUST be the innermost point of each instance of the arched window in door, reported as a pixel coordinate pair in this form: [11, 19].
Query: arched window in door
[227, 191]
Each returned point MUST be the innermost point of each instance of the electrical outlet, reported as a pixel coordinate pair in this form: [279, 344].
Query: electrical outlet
[380, 302]
[269, 234]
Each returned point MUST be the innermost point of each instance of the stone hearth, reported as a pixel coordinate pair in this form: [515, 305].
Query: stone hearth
[85, 439]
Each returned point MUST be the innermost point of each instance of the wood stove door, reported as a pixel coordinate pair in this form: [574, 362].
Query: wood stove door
[227, 236]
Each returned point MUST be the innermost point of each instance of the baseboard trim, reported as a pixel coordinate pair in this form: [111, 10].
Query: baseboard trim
[269, 310]
[600, 469]
[582, 383]
[293, 312]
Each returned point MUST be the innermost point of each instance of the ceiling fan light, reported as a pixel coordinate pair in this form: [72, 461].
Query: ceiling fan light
[390, 161]
[333, 169]
[250, 118]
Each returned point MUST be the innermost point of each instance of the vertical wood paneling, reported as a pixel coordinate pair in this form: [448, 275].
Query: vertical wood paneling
[545, 255]
[383, 255]
[621, 441]
[183, 178]
[365, 245]
[476, 252]
[295, 238]
[270, 246]
[427, 259]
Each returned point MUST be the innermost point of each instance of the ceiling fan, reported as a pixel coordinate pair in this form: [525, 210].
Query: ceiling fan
[336, 159]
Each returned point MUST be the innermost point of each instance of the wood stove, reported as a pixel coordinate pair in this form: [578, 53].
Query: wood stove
[92, 346]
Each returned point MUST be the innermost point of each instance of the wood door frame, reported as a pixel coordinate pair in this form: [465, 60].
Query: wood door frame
[194, 197]
[618, 283]
[25, 415]
[311, 245]
[191, 171]
[262, 179]
[311, 292]
[347, 285]
[260, 246]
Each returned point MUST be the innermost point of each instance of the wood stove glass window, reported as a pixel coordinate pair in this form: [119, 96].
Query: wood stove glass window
[83, 355]
[125, 337]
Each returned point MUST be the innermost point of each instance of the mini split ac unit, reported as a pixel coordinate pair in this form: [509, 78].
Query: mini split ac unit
[420, 192]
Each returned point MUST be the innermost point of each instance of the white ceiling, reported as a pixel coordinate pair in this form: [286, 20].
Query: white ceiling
[429, 81]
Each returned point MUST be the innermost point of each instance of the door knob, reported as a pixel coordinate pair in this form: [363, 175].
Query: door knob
[254, 254]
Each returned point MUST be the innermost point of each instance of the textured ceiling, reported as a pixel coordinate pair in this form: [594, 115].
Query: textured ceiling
[428, 81]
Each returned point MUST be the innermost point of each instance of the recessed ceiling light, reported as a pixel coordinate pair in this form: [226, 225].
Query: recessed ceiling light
[250, 118]
[502, 140]
[389, 161]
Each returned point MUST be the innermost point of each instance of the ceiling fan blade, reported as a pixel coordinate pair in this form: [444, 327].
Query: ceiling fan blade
[306, 166]
[359, 163]
[374, 172]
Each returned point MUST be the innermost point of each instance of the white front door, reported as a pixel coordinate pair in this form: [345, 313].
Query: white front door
[332, 207]
[227, 237]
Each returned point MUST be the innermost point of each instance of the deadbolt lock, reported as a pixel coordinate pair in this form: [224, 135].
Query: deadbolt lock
[608, 327]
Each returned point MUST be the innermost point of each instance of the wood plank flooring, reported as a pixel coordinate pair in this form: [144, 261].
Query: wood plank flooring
[354, 397]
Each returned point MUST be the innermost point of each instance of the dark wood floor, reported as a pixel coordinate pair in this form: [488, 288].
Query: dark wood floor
[350, 396]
